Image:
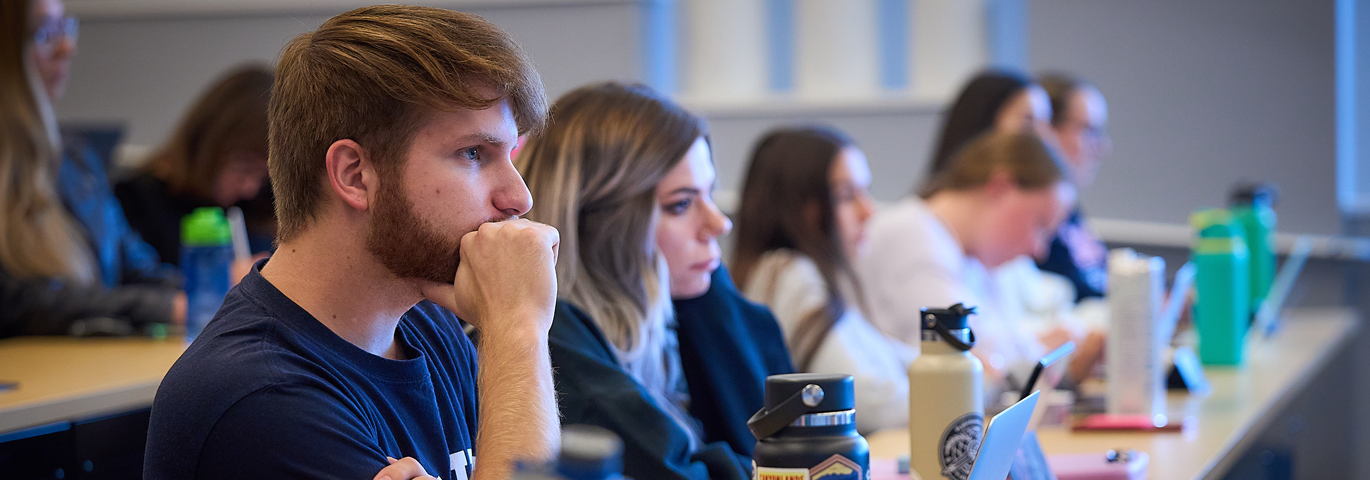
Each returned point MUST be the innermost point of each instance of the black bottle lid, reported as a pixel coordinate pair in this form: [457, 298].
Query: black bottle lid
[951, 318]
[943, 321]
[1251, 194]
[793, 395]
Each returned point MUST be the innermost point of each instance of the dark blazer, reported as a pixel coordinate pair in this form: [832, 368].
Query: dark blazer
[728, 346]
[1079, 256]
[593, 389]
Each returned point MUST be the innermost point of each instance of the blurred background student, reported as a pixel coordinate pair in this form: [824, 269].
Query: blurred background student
[993, 100]
[215, 158]
[1007, 101]
[627, 177]
[801, 225]
[1000, 197]
[69, 263]
[1079, 117]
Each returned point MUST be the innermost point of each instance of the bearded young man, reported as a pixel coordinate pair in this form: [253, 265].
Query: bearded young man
[391, 130]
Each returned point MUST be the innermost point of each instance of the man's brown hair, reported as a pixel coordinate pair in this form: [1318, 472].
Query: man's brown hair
[368, 75]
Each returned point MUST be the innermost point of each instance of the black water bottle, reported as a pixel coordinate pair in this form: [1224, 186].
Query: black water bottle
[808, 430]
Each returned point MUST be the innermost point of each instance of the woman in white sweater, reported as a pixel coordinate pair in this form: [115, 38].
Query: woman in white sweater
[800, 226]
[1001, 196]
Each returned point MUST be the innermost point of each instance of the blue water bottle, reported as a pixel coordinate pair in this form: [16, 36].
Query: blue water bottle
[206, 255]
[590, 453]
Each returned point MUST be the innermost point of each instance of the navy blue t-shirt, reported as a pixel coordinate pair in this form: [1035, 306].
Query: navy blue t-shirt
[267, 391]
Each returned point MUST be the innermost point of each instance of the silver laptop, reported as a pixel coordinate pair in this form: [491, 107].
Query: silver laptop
[1002, 437]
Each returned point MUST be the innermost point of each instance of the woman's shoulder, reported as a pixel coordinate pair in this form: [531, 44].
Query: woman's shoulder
[908, 215]
[786, 265]
[781, 273]
[572, 325]
[909, 231]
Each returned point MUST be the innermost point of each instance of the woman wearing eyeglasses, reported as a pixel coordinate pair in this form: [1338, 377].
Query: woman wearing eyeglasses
[68, 261]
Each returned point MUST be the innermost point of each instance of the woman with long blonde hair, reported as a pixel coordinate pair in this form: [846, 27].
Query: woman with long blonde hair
[52, 280]
[627, 177]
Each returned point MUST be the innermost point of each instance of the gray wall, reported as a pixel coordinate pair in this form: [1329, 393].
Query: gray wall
[1201, 95]
[144, 72]
[897, 141]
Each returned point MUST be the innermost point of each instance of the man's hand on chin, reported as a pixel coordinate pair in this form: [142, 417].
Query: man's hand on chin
[506, 269]
[506, 285]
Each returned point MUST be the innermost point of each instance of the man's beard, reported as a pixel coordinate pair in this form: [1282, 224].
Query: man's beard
[409, 246]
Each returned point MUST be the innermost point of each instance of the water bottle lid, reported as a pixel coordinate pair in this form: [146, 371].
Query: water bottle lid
[1214, 223]
[944, 320]
[954, 317]
[589, 452]
[1252, 194]
[793, 395]
[205, 227]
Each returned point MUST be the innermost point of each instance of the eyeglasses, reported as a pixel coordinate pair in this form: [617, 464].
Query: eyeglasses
[53, 31]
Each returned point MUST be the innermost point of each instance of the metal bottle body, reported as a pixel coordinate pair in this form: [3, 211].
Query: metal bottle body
[946, 408]
[813, 449]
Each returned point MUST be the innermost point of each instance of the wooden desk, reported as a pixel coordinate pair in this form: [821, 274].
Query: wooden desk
[63, 378]
[1244, 401]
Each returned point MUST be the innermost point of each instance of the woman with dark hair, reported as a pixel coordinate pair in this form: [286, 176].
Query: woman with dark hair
[999, 198]
[627, 176]
[995, 100]
[215, 158]
[68, 261]
[802, 223]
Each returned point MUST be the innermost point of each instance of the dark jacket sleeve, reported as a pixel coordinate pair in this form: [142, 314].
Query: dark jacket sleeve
[123, 256]
[728, 346]
[592, 389]
[51, 307]
[1061, 260]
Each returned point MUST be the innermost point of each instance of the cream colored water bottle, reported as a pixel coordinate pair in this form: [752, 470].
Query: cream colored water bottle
[946, 400]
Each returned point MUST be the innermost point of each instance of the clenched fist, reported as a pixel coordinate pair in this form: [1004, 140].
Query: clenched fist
[507, 270]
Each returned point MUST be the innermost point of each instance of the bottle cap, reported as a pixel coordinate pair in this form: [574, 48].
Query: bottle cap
[1213, 223]
[205, 227]
[790, 396]
[589, 452]
[1252, 194]
[944, 320]
[951, 318]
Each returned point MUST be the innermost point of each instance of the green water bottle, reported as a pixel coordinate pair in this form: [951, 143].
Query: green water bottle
[1223, 309]
[1253, 206]
[206, 257]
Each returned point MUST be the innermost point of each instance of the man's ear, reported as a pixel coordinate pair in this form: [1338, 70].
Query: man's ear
[351, 175]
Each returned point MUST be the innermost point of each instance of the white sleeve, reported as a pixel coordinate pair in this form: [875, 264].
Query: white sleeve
[879, 367]
[901, 275]
[878, 364]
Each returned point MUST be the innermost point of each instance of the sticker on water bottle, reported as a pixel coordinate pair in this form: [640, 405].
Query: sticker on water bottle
[836, 467]
[767, 473]
[959, 444]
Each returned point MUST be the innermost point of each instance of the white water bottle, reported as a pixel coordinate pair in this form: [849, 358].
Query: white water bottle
[946, 399]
